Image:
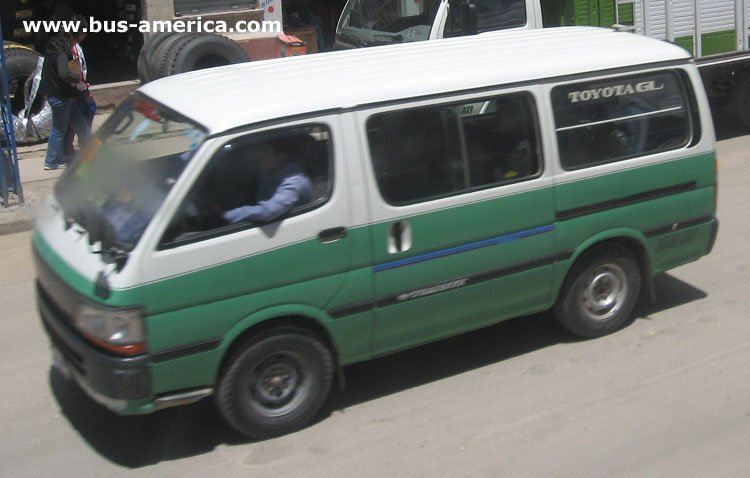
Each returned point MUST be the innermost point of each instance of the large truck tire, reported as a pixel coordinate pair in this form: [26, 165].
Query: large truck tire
[203, 50]
[157, 64]
[147, 52]
[21, 62]
[31, 123]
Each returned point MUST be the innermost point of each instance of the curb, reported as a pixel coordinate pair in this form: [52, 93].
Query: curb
[23, 225]
[21, 218]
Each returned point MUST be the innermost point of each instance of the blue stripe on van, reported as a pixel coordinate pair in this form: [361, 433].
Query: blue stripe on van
[471, 246]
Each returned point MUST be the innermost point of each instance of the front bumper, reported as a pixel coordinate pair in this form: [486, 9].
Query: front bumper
[117, 378]
[122, 384]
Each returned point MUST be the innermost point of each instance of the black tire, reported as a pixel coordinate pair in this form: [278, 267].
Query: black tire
[600, 292]
[147, 52]
[204, 50]
[276, 383]
[157, 62]
[21, 62]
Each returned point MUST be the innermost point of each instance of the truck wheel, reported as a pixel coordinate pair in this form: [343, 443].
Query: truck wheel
[21, 62]
[147, 52]
[37, 119]
[158, 60]
[600, 292]
[276, 383]
[205, 50]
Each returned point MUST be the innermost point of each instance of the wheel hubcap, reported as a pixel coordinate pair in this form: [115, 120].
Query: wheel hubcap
[277, 382]
[278, 385]
[604, 291]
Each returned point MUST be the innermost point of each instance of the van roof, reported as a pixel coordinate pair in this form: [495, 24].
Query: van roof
[237, 95]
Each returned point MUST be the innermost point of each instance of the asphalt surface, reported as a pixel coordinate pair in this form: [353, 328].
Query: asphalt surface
[669, 396]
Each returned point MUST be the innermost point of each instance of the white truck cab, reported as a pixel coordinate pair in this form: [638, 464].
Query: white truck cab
[715, 32]
[383, 22]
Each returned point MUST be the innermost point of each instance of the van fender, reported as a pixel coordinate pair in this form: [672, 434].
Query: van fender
[287, 313]
[631, 238]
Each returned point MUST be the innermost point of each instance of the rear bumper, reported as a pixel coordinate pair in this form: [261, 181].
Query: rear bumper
[714, 233]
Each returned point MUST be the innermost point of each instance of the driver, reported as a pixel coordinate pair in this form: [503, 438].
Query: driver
[283, 186]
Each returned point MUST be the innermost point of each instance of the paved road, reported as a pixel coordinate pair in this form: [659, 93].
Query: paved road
[667, 397]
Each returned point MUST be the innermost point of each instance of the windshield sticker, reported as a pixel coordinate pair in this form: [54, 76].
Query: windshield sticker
[613, 91]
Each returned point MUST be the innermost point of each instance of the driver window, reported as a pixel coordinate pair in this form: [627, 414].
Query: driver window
[256, 180]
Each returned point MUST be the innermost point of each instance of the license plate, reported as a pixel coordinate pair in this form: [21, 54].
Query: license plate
[60, 363]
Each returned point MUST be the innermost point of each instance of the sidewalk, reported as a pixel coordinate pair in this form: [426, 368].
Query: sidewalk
[38, 183]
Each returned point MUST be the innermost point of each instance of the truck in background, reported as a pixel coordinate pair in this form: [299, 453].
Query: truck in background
[714, 31]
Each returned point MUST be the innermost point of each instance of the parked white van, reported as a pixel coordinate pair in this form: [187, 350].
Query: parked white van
[248, 247]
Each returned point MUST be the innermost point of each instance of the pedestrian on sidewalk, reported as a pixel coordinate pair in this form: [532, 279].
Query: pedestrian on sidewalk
[84, 101]
[60, 74]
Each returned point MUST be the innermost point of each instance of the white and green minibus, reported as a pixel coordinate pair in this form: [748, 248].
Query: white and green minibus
[428, 189]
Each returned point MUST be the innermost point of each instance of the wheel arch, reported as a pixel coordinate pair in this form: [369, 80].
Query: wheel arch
[630, 239]
[302, 317]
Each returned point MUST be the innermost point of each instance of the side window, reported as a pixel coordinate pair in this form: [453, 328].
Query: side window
[604, 121]
[491, 15]
[255, 180]
[436, 151]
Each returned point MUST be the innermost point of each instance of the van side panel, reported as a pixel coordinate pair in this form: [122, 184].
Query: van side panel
[469, 266]
[666, 204]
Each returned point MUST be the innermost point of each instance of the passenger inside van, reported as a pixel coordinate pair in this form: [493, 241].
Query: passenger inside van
[514, 147]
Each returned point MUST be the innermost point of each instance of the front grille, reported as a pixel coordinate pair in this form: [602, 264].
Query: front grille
[51, 313]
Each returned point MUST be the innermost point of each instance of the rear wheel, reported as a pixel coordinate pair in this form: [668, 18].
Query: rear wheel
[276, 383]
[600, 292]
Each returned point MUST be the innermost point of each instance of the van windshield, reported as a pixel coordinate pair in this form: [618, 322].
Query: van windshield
[382, 22]
[123, 175]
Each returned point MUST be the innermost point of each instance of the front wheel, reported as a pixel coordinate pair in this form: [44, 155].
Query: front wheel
[600, 292]
[276, 383]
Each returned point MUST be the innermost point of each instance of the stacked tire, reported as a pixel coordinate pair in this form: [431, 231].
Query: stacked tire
[31, 117]
[166, 54]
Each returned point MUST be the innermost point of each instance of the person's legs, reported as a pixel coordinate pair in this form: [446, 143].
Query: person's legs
[89, 110]
[80, 124]
[68, 148]
[61, 108]
[79, 102]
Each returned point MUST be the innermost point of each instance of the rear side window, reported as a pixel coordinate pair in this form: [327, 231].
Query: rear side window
[604, 121]
[442, 150]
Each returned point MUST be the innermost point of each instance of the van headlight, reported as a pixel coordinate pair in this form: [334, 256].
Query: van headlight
[119, 331]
